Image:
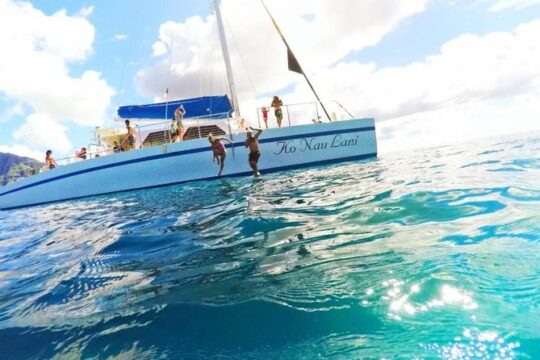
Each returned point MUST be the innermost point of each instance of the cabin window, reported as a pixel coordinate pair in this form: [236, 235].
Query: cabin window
[162, 137]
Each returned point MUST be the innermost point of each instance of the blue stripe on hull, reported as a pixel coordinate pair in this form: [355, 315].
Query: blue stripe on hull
[247, 173]
[185, 152]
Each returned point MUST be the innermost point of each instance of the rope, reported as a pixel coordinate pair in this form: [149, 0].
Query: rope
[243, 61]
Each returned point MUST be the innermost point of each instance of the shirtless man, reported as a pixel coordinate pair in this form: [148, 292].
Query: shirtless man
[130, 137]
[252, 142]
[49, 160]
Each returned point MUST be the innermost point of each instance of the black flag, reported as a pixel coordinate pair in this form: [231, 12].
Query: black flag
[293, 63]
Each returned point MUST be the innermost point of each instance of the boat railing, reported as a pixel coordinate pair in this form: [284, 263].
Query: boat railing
[165, 127]
[300, 113]
[293, 114]
[93, 151]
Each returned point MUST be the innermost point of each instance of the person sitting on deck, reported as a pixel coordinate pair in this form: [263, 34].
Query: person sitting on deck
[179, 117]
[130, 137]
[219, 150]
[81, 153]
[49, 160]
[116, 147]
[277, 104]
[252, 142]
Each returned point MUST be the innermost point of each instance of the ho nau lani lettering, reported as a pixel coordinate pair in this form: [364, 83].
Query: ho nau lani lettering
[314, 144]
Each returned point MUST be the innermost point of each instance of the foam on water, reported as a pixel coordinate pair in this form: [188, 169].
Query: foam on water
[431, 253]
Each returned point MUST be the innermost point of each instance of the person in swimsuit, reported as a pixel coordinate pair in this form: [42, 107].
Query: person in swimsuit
[49, 160]
[277, 104]
[219, 150]
[81, 153]
[264, 111]
[130, 137]
[179, 117]
[174, 130]
[252, 142]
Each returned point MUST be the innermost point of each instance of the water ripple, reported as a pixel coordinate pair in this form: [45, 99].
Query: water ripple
[426, 254]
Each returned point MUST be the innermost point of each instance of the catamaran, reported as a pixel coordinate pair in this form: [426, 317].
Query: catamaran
[159, 162]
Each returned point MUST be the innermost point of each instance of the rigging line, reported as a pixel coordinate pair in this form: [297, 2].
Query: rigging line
[243, 61]
[294, 57]
[212, 51]
[169, 75]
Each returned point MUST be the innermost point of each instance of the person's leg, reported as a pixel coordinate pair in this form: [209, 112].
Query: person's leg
[256, 161]
[253, 166]
[181, 133]
[221, 164]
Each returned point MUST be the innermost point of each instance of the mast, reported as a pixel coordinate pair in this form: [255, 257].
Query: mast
[226, 57]
[294, 65]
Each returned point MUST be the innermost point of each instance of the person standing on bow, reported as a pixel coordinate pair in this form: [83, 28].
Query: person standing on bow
[179, 117]
[219, 151]
[252, 142]
[277, 104]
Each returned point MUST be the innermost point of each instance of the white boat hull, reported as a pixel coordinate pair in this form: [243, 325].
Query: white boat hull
[281, 149]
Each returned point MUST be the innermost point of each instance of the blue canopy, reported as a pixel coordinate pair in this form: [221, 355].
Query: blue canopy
[213, 107]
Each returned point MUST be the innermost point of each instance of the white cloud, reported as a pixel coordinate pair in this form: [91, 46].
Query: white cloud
[460, 123]
[11, 111]
[467, 69]
[34, 68]
[22, 150]
[121, 37]
[86, 11]
[42, 132]
[502, 5]
[474, 86]
[310, 25]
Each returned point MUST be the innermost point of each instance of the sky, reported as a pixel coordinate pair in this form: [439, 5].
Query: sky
[431, 72]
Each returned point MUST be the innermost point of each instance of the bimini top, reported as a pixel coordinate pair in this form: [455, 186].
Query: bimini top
[213, 107]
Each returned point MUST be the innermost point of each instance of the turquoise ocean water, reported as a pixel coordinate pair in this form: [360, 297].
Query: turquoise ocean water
[425, 254]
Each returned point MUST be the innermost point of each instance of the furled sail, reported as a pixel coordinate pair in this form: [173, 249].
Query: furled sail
[207, 107]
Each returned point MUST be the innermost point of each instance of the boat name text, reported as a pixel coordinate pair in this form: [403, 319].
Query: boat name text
[314, 144]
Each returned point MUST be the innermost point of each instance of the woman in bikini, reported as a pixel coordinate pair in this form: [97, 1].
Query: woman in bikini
[179, 117]
[277, 104]
[219, 151]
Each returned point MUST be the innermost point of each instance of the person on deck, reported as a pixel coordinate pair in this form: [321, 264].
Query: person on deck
[116, 147]
[277, 104]
[49, 160]
[219, 150]
[179, 117]
[129, 138]
[81, 153]
[252, 142]
[264, 111]
[174, 130]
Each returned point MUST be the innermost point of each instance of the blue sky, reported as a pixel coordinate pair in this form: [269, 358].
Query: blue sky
[126, 32]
